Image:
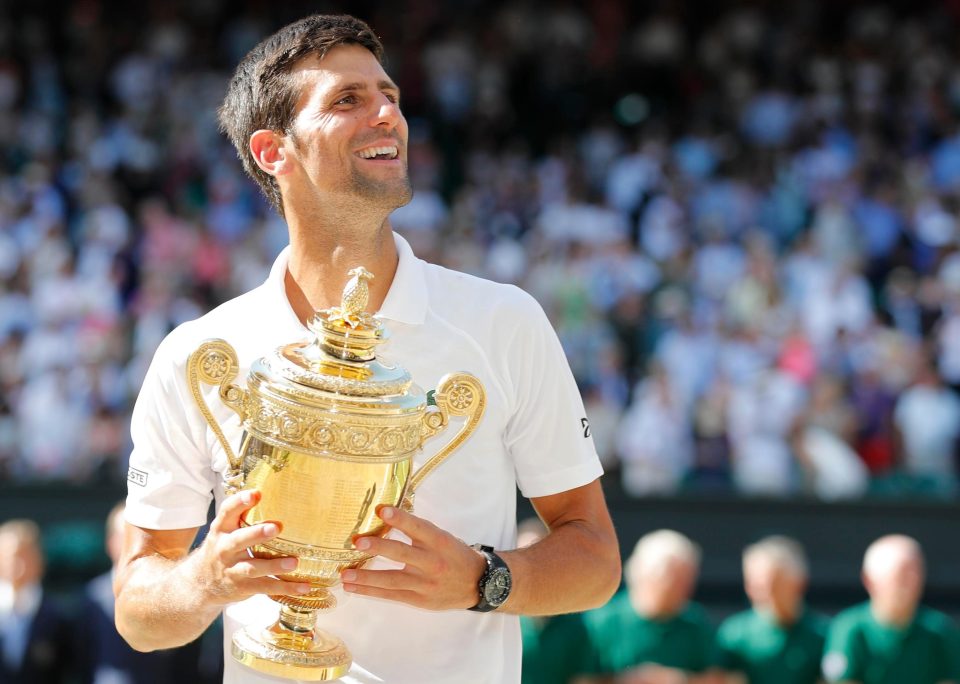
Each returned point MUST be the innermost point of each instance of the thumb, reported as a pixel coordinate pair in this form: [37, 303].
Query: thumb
[232, 508]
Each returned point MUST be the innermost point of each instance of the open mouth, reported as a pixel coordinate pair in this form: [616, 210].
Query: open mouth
[388, 152]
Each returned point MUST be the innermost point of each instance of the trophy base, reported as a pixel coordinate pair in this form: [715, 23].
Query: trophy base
[313, 655]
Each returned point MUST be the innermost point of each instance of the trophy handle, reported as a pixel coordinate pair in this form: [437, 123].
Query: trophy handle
[215, 363]
[458, 394]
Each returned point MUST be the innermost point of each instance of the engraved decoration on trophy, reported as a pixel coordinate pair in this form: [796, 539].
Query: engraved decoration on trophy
[329, 436]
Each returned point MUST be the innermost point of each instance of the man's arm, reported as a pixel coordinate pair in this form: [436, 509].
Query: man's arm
[167, 596]
[575, 567]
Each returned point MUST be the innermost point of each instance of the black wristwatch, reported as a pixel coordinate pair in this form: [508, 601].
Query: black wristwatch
[495, 582]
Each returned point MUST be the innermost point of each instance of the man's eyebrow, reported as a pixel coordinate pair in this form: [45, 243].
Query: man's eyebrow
[357, 85]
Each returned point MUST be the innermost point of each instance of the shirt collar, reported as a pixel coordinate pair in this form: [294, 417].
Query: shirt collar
[406, 301]
[23, 603]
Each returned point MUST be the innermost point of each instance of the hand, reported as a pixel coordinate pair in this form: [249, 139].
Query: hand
[227, 572]
[440, 572]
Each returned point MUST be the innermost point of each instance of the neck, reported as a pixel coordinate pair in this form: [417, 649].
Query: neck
[892, 618]
[325, 248]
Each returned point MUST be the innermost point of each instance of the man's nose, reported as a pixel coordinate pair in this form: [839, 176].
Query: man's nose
[387, 113]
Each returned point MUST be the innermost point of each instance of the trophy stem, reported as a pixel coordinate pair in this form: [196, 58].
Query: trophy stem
[297, 620]
[292, 647]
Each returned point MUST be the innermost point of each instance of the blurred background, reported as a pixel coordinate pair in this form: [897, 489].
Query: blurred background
[741, 218]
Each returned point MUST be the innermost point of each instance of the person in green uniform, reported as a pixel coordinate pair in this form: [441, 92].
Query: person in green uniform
[777, 641]
[892, 639]
[652, 633]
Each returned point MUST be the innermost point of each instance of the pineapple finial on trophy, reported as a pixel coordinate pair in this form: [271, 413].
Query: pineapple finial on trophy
[353, 301]
[356, 293]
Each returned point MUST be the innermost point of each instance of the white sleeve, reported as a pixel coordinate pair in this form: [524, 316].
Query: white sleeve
[170, 482]
[548, 434]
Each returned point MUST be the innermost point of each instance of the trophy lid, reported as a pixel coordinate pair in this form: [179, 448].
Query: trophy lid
[342, 356]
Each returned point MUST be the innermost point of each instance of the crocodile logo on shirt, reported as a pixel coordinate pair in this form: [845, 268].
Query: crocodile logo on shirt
[585, 424]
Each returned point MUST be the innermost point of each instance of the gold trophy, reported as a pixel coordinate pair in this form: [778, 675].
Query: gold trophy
[329, 437]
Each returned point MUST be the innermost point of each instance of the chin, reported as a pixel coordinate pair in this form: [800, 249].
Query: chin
[392, 193]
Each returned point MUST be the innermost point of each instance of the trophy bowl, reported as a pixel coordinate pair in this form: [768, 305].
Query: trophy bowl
[329, 437]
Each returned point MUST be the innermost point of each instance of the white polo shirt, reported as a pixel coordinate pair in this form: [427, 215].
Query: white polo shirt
[532, 435]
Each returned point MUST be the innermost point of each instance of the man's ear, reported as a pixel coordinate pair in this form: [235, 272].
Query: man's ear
[269, 150]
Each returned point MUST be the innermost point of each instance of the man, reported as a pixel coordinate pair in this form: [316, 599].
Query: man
[34, 633]
[316, 121]
[102, 655]
[778, 641]
[892, 639]
[652, 633]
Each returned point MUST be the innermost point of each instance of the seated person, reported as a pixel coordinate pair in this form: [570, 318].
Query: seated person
[777, 641]
[652, 633]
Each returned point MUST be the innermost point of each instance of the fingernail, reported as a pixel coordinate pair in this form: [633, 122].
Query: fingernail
[363, 543]
[303, 588]
[349, 587]
[387, 512]
[246, 497]
[288, 563]
[270, 529]
[349, 575]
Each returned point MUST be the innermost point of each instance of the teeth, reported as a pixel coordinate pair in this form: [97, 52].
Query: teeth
[371, 152]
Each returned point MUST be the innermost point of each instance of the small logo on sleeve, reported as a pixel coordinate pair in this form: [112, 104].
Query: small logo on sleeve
[585, 424]
[137, 477]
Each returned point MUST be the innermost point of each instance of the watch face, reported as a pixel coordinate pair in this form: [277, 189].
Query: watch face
[497, 587]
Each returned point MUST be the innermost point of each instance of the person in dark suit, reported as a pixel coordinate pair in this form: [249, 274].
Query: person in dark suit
[35, 635]
[104, 657]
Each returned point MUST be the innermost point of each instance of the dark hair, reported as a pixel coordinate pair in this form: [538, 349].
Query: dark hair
[262, 95]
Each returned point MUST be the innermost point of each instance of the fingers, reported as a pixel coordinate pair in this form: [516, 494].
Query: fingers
[228, 518]
[264, 567]
[383, 579]
[390, 548]
[418, 529]
[239, 540]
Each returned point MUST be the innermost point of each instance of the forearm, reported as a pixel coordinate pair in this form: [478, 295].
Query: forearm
[576, 567]
[161, 603]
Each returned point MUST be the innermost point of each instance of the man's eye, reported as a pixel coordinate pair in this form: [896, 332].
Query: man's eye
[349, 99]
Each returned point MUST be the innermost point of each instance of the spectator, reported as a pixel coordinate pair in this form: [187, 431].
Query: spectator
[927, 417]
[892, 639]
[652, 633]
[777, 641]
[34, 632]
[655, 438]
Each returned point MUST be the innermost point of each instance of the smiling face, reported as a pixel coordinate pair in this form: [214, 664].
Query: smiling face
[348, 137]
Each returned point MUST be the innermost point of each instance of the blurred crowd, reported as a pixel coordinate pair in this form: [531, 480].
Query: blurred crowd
[741, 219]
[652, 633]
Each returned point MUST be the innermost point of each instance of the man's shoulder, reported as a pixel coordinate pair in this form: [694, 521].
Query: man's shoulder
[737, 625]
[851, 619]
[694, 615]
[236, 320]
[934, 621]
[450, 290]
[613, 611]
[815, 622]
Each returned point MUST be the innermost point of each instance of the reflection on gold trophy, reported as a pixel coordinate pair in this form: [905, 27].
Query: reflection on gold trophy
[329, 436]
